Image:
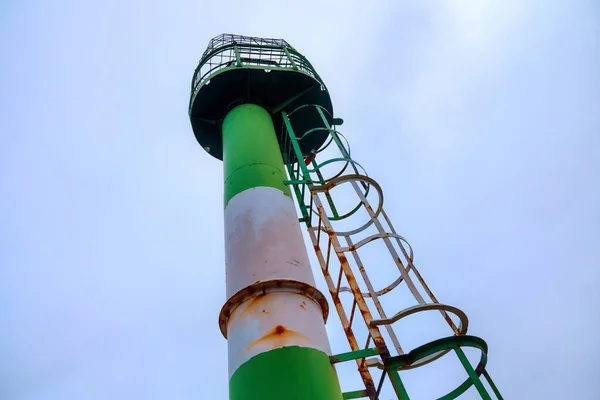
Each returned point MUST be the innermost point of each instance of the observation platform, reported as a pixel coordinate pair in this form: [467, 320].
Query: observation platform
[270, 73]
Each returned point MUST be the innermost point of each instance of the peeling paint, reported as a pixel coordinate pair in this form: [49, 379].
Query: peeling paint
[274, 320]
[263, 240]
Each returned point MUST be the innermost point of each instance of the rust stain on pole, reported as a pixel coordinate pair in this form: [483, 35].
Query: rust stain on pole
[253, 303]
[278, 337]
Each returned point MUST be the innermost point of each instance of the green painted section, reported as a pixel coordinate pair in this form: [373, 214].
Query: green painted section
[251, 154]
[290, 373]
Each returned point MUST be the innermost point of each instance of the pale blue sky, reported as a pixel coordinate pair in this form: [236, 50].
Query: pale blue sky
[480, 119]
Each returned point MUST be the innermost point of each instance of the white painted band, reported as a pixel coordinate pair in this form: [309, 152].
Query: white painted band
[263, 240]
[271, 321]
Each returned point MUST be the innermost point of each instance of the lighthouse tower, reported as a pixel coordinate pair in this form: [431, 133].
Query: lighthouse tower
[259, 106]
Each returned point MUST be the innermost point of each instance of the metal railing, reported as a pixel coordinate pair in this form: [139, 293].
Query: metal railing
[234, 51]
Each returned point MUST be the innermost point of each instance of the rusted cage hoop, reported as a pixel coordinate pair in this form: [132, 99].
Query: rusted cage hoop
[462, 328]
[371, 238]
[276, 285]
[353, 177]
[376, 236]
[366, 186]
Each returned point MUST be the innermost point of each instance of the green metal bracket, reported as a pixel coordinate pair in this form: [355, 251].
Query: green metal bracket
[306, 172]
[353, 355]
[357, 394]
[492, 384]
[472, 374]
[238, 61]
[295, 182]
[397, 384]
[290, 58]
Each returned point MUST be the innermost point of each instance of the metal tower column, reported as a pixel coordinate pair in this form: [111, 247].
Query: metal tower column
[274, 319]
[274, 316]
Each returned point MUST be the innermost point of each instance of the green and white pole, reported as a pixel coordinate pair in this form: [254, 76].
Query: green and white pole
[274, 316]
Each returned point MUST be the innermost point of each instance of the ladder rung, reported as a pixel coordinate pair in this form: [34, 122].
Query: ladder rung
[353, 355]
[357, 394]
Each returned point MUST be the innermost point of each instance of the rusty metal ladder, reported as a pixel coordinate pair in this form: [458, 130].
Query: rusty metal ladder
[382, 351]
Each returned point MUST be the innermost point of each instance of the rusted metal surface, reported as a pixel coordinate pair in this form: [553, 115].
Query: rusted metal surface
[410, 258]
[256, 292]
[279, 337]
[462, 329]
[381, 292]
[333, 238]
[369, 239]
[373, 295]
[273, 320]
[411, 286]
[363, 369]
[349, 178]
[375, 334]
[272, 298]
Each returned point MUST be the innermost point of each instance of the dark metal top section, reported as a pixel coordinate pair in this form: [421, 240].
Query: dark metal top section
[237, 69]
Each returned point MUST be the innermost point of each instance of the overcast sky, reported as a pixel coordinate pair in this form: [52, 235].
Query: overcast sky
[480, 120]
